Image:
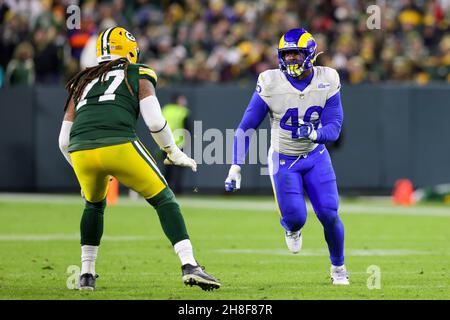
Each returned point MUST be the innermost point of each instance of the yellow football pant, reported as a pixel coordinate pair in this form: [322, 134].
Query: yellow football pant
[130, 163]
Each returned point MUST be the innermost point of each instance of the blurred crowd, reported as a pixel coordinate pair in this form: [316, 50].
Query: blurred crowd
[202, 41]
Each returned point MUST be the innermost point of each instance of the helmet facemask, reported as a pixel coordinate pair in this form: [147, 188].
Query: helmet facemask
[296, 68]
[133, 57]
[293, 67]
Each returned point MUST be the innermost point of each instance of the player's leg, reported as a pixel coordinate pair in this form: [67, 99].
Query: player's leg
[178, 174]
[169, 175]
[133, 166]
[320, 185]
[288, 193]
[94, 184]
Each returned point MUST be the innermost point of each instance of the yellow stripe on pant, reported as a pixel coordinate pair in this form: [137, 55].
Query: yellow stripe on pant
[271, 174]
[128, 162]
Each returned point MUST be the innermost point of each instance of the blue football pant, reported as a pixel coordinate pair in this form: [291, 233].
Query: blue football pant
[315, 175]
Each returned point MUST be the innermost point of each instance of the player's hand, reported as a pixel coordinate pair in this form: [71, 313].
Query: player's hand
[306, 130]
[233, 181]
[179, 158]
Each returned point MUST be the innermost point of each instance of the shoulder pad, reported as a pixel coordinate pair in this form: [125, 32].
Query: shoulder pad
[328, 74]
[330, 77]
[267, 80]
[146, 70]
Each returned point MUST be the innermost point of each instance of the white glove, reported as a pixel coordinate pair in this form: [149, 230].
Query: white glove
[233, 181]
[179, 158]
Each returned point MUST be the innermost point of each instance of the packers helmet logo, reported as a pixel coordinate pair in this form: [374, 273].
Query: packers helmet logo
[130, 36]
[115, 43]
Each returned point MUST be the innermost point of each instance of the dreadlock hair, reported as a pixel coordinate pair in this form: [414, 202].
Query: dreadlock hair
[76, 85]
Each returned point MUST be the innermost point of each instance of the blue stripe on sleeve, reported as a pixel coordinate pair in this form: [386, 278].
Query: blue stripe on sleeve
[255, 113]
[331, 119]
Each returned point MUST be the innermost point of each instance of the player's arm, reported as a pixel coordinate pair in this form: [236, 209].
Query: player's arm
[159, 128]
[255, 113]
[331, 118]
[66, 126]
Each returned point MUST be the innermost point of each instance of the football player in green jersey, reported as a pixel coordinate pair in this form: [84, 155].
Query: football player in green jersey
[99, 140]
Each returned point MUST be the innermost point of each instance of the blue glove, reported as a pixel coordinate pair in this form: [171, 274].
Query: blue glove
[230, 186]
[306, 130]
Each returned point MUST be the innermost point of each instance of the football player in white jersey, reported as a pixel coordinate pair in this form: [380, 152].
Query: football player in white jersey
[304, 105]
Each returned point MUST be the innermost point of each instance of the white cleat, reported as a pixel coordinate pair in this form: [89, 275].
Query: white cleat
[294, 240]
[339, 275]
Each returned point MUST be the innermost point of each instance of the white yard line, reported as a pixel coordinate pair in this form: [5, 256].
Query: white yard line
[324, 252]
[374, 207]
[64, 236]
[274, 237]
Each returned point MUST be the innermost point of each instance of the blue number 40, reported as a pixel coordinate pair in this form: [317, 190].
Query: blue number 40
[292, 113]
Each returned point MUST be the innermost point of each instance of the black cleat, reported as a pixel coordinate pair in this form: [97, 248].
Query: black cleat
[195, 276]
[87, 281]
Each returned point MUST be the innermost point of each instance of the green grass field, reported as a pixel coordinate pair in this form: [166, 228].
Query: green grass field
[238, 239]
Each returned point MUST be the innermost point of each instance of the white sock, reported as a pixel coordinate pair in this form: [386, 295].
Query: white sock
[88, 256]
[338, 268]
[184, 251]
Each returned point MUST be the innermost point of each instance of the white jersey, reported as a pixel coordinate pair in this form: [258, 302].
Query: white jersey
[287, 105]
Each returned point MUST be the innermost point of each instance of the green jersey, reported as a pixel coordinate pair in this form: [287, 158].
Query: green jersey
[107, 112]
